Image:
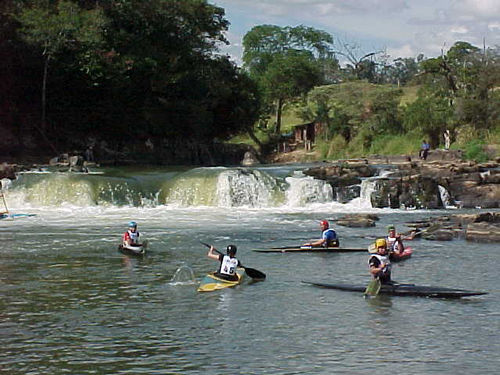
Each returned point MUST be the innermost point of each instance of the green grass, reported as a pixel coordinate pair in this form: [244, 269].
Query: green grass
[410, 94]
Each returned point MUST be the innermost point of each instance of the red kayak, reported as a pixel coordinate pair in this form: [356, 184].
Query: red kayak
[398, 257]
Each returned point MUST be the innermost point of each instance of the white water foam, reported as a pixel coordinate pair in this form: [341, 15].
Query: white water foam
[304, 190]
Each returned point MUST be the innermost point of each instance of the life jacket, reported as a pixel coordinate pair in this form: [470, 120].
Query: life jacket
[385, 274]
[332, 240]
[133, 236]
[228, 266]
[391, 243]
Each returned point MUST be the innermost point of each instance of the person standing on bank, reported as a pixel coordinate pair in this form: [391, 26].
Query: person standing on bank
[447, 139]
[228, 263]
[328, 237]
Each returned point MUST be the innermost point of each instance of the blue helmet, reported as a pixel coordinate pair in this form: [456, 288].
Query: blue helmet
[132, 224]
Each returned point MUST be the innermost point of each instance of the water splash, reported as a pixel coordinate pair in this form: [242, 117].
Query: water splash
[183, 275]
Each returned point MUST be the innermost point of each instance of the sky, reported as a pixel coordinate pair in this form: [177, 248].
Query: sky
[401, 28]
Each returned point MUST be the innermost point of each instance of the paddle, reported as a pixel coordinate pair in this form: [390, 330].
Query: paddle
[252, 272]
[373, 288]
[5, 204]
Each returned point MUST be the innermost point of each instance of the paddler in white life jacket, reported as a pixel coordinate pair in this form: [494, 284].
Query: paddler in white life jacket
[131, 236]
[328, 237]
[379, 263]
[394, 241]
[228, 263]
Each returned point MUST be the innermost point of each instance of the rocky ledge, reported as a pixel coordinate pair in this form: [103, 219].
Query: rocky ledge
[408, 184]
[481, 227]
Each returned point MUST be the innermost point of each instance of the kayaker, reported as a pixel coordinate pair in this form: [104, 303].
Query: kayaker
[131, 236]
[328, 237]
[394, 240]
[379, 263]
[228, 263]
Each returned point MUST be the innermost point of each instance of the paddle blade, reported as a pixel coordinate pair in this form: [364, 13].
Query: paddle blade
[373, 288]
[255, 274]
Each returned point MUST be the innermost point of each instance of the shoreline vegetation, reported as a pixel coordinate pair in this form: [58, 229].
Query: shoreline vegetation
[80, 87]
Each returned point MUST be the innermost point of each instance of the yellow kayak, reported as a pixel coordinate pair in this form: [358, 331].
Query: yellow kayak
[211, 282]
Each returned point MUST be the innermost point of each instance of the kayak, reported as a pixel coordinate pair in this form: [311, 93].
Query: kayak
[397, 257]
[403, 290]
[210, 282]
[132, 250]
[309, 249]
[12, 216]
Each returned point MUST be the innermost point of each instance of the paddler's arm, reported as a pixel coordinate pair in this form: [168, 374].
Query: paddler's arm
[212, 255]
[375, 268]
[315, 243]
[126, 240]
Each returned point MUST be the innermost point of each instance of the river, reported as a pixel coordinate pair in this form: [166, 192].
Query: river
[71, 303]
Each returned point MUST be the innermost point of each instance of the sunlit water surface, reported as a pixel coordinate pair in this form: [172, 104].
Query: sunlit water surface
[71, 303]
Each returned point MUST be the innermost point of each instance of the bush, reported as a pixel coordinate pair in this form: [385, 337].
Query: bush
[334, 149]
[475, 151]
[404, 144]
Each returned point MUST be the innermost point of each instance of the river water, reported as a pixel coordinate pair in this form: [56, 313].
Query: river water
[71, 303]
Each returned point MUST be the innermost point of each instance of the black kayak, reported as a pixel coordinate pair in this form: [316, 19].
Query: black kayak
[309, 249]
[403, 290]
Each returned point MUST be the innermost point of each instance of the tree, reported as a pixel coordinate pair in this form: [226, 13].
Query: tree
[431, 114]
[467, 77]
[56, 28]
[288, 76]
[287, 61]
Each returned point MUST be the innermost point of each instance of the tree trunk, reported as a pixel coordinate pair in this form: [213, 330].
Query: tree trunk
[43, 128]
[254, 138]
[44, 93]
[279, 108]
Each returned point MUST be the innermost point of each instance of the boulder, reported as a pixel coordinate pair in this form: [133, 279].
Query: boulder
[8, 171]
[249, 159]
[483, 196]
[357, 220]
[483, 232]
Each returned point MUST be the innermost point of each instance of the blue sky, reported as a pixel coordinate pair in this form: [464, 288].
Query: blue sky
[402, 28]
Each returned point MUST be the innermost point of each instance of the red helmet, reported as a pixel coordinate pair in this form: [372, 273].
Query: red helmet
[324, 223]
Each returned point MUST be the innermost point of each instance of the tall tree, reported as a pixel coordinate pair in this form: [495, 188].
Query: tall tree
[55, 28]
[287, 61]
[467, 77]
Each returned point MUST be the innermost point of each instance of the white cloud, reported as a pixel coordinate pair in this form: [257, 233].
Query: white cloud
[480, 9]
[406, 50]
[459, 30]
[405, 28]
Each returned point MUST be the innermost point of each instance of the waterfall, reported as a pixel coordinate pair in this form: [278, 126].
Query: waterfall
[446, 198]
[368, 186]
[305, 189]
[212, 187]
[247, 187]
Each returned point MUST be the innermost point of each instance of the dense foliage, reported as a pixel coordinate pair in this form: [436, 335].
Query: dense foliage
[135, 75]
[122, 71]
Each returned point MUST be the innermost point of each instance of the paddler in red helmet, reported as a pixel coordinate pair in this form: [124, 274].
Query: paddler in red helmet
[328, 237]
